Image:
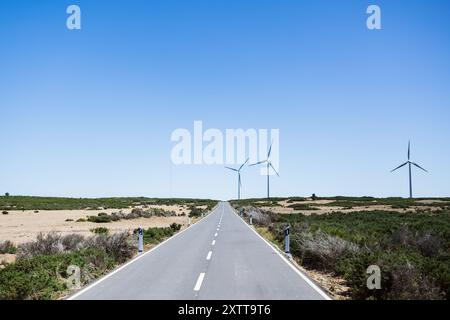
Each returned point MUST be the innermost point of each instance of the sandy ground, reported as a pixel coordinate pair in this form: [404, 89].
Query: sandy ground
[6, 259]
[23, 226]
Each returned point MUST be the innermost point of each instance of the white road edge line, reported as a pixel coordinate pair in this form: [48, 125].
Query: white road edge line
[307, 280]
[208, 257]
[198, 285]
[133, 260]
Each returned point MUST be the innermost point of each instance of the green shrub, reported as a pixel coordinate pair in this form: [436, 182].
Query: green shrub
[42, 277]
[155, 235]
[99, 219]
[301, 206]
[81, 220]
[100, 230]
[5, 212]
[175, 226]
[195, 212]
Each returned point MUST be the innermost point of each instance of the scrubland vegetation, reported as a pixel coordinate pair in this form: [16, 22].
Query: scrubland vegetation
[54, 203]
[40, 271]
[412, 249]
[40, 267]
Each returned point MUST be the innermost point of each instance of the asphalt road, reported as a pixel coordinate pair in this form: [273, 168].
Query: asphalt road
[219, 257]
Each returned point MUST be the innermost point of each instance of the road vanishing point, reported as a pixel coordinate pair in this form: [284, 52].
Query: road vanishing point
[218, 258]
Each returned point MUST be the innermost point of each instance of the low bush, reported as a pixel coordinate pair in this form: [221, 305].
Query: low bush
[118, 245]
[175, 226]
[5, 212]
[45, 244]
[100, 219]
[100, 230]
[72, 242]
[259, 216]
[195, 212]
[156, 235]
[7, 247]
[320, 250]
[301, 206]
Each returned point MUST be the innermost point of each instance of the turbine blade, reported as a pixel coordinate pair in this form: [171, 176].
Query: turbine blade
[270, 150]
[418, 166]
[231, 168]
[400, 166]
[409, 149]
[270, 163]
[243, 164]
[264, 161]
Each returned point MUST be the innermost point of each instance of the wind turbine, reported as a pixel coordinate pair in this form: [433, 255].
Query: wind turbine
[239, 177]
[269, 164]
[409, 163]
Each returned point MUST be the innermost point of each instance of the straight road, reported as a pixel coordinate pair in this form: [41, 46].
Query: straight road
[219, 257]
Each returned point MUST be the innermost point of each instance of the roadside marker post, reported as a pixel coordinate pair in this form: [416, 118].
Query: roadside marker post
[251, 219]
[286, 240]
[189, 222]
[140, 240]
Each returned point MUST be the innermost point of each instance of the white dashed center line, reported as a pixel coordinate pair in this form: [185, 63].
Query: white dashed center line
[213, 243]
[198, 285]
[215, 235]
[208, 257]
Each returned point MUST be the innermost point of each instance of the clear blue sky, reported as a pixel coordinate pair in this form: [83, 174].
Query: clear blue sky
[90, 112]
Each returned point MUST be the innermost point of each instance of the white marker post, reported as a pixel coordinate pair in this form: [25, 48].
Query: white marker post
[140, 240]
[286, 241]
[251, 219]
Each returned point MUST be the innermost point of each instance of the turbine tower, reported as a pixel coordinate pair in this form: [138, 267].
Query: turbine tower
[239, 177]
[409, 163]
[269, 165]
